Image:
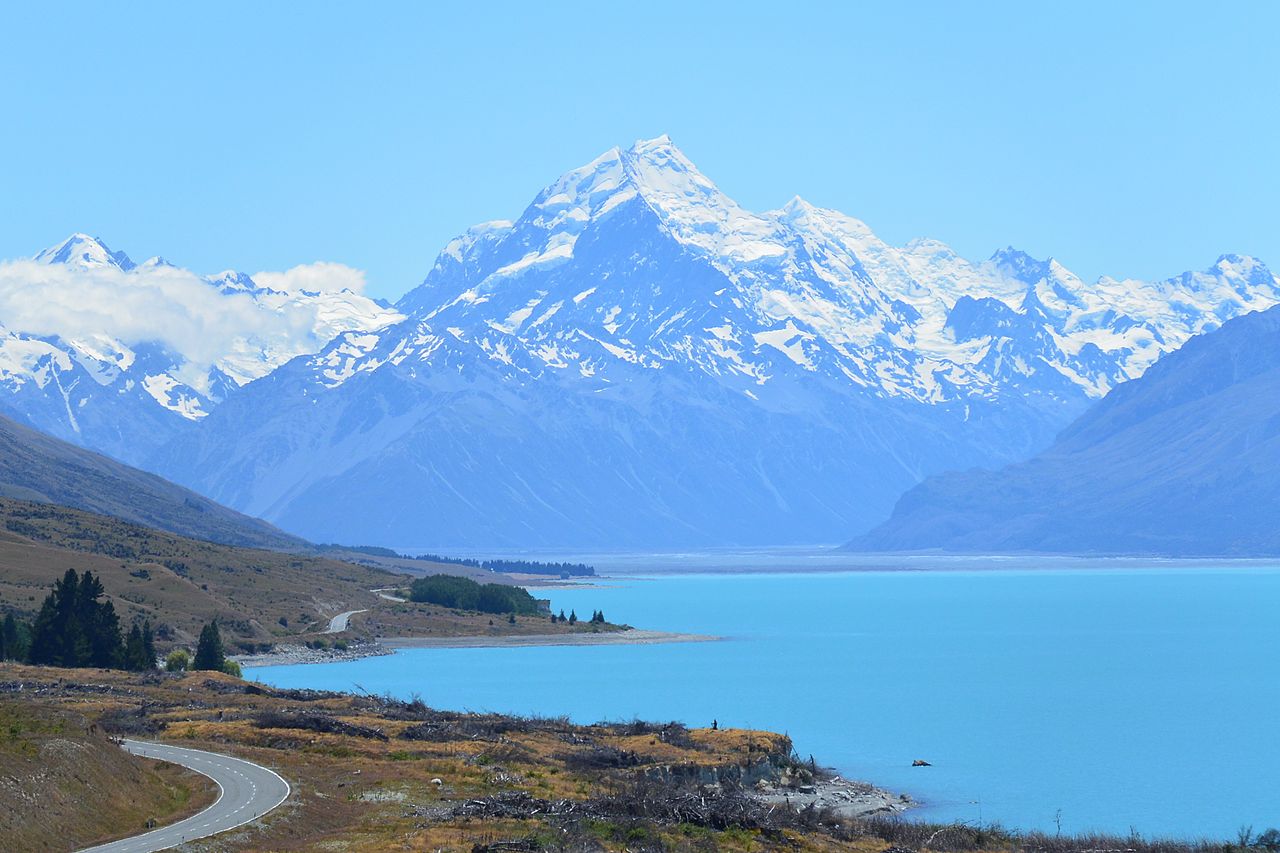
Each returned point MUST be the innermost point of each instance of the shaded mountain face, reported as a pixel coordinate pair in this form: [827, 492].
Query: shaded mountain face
[637, 361]
[37, 467]
[1184, 461]
[119, 357]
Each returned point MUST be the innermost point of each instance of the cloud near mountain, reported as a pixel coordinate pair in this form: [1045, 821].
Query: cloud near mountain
[318, 277]
[635, 360]
[156, 303]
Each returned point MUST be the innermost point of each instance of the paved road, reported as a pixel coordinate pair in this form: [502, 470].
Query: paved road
[338, 624]
[382, 593]
[245, 791]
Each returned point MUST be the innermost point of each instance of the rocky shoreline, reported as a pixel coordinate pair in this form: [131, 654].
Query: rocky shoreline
[844, 797]
[632, 636]
[286, 655]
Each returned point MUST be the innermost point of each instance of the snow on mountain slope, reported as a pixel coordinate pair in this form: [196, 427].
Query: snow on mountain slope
[637, 360]
[819, 288]
[1183, 461]
[118, 356]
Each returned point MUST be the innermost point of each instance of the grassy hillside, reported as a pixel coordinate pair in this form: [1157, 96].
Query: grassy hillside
[65, 785]
[260, 597]
[38, 467]
[177, 583]
[371, 773]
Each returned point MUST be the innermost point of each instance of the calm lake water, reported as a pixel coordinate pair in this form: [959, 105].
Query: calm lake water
[1122, 697]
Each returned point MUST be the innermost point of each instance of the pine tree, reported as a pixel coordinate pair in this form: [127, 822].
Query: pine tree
[133, 651]
[74, 628]
[573, 617]
[148, 646]
[9, 641]
[49, 634]
[209, 653]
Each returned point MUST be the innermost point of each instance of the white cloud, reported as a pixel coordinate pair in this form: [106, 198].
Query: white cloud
[168, 305]
[322, 277]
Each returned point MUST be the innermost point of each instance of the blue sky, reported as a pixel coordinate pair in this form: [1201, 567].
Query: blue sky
[1127, 139]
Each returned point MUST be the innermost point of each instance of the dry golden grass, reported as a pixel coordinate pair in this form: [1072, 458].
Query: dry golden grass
[259, 597]
[358, 793]
[64, 784]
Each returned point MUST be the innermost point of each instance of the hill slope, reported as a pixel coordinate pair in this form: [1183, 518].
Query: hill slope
[638, 361]
[38, 467]
[64, 784]
[1184, 461]
[177, 583]
[259, 597]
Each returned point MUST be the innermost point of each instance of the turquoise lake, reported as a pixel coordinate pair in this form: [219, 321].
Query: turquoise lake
[1119, 698]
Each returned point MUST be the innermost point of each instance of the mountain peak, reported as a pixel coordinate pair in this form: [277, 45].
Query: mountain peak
[81, 250]
[1022, 266]
[232, 281]
[797, 205]
[157, 262]
[657, 142]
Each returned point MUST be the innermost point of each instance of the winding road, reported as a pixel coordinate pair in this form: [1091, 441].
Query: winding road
[246, 791]
[338, 624]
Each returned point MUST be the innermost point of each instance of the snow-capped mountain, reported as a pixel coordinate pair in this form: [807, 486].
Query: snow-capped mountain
[1183, 461]
[637, 360]
[119, 356]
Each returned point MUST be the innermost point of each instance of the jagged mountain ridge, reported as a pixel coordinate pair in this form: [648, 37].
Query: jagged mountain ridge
[127, 397]
[1183, 461]
[639, 361]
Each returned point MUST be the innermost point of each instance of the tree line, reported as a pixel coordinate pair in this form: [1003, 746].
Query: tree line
[528, 567]
[597, 617]
[75, 627]
[466, 594]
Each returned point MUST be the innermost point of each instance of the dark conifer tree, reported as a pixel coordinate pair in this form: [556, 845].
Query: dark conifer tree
[56, 637]
[148, 645]
[209, 653]
[573, 617]
[74, 628]
[133, 651]
[11, 639]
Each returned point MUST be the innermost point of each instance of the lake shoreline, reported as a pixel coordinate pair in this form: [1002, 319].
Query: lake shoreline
[845, 797]
[289, 655]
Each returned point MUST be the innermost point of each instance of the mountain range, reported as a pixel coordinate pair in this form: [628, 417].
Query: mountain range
[1184, 461]
[120, 357]
[634, 361]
